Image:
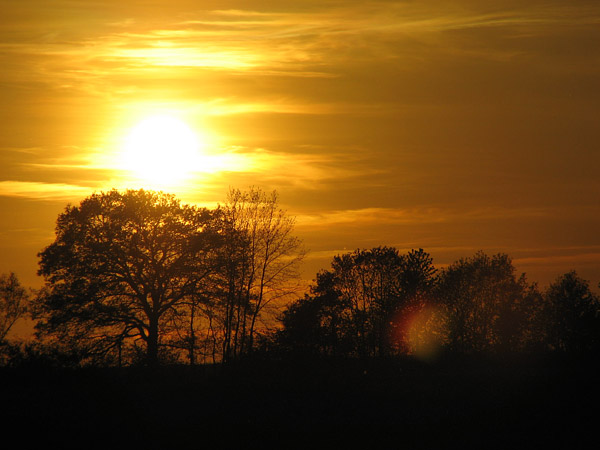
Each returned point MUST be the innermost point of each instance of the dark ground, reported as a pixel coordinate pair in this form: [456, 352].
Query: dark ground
[277, 404]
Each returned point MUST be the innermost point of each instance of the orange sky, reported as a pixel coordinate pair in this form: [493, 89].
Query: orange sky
[451, 127]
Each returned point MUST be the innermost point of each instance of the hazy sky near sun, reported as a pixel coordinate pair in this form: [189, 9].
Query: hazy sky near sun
[451, 126]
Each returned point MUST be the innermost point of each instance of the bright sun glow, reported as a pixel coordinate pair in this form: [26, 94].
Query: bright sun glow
[162, 151]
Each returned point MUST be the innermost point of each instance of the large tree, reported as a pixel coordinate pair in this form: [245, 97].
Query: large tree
[122, 266]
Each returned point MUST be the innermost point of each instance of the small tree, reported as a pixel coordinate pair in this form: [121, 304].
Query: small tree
[320, 323]
[487, 306]
[572, 315]
[13, 302]
[121, 266]
[260, 260]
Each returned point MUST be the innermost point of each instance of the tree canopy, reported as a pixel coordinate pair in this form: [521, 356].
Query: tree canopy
[120, 266]
[379, 302]
[573, 312]
[142, 272]
[356, 307]
[261, 257]
[487, 306]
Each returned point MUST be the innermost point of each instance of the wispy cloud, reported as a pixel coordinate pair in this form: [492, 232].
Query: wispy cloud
[564, 256]
[103, 171]
[415, 216]
[308, 170]
[293, 43]
[43, 191]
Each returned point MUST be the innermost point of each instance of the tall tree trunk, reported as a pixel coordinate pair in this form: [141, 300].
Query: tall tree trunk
[259, 299]
[152, 343]
[192, 344]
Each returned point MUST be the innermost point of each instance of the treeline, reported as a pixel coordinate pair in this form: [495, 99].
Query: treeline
[379, 302]
[137, 277]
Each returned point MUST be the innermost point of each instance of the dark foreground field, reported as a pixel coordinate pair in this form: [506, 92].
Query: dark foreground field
[277, 404]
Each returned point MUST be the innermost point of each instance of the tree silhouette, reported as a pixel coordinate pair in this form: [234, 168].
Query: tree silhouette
[414, 322]
[320, 323]
[260, 259]
[121, 267]
[487, 306]
[572, 314]
[13, 302]
[355, 307]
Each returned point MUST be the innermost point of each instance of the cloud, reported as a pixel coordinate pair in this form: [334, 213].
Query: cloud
[415, 216]
[217, 168]
[293, 43]
[563, 256]
[43, 191]
[308, 170]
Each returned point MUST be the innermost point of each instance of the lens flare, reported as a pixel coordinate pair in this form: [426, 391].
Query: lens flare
[418, 331]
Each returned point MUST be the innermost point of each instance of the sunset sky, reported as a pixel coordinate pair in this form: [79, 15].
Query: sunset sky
[452, 126]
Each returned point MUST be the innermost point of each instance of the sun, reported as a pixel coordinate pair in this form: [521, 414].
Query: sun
[161, 151]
